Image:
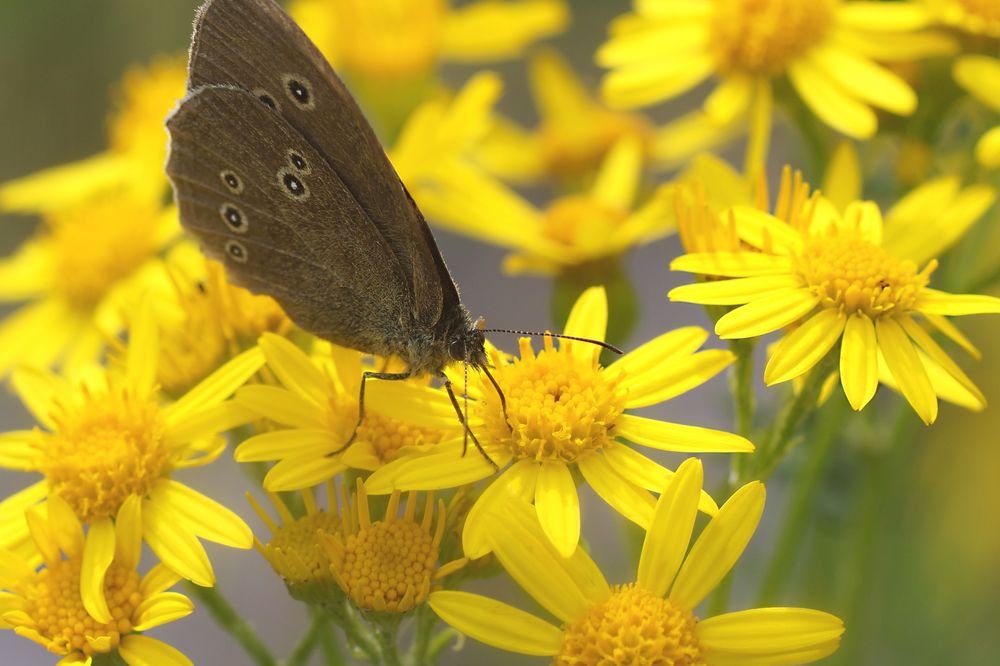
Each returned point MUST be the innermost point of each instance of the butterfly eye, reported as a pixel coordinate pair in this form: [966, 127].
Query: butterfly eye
[232, 181]
[233, 218]
[292, 185]
[299, 91]
[236, 251]
[299, 162]
[266, 98]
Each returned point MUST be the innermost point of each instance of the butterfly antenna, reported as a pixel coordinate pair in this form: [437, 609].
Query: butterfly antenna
[599, 343]
[503, 398]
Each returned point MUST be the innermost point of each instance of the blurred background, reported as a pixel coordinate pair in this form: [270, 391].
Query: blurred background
[915, 567]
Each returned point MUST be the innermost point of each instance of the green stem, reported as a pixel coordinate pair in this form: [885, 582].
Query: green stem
[803, 494]
[385, 633]
[108, 659]
[742, 389]
[425, 621]
[307, 644]
[358, 634]
[331, 650]
[440, 641]
[227, 618]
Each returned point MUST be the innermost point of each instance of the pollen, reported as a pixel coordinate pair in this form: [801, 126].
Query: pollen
[577, 219]
[632, 628]
[96, 246]
[389, 565]
[58, 620]
[296, 552]
[855, 275]
[764, 36]
[106, 448]
[560, 405]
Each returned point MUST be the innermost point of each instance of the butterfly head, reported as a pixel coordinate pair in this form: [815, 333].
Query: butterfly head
[468, 344]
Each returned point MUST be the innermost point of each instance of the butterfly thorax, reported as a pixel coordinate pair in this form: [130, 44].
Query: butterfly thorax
[456, 339]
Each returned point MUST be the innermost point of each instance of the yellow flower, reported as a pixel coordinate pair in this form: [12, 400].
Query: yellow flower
[135, 156]
[108, 446]
[208, 320]
[980, 75]
[388, 565]
[80, 272]
[316, 409]
[574, 134]
[981, 17]
[566, 413]
[846, 278]
[648, 622]
[826, 49]
[296, 551]
[88, 599]
[572, 230]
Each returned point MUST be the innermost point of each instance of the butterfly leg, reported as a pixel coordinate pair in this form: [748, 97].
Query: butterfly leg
[503, 398]
[388, 376]
[465, 425]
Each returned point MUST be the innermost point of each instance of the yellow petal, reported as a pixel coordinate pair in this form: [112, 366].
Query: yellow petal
[865, 80]
[496, 623]
[208, 422]
[139, 650]
[647, 82]
[831, 103]
[678, 437]
[880, 17]
[624, 497]
[799, 351]
[719, 546]
[588, 319]
[645, 473]
[280, 444]
[665, 381]
[859, 360]
[201, 515]
[988, 149]
[517, 481]
[733, 292]
[730, 99]
[175, 546]
[282, 406]
[143, 349]
[979, 75]
[162, 608]
[158, 579]
[479, 31]
[766, 314]
[18, 450]
[65, 526]
[419, 405]
[443, 467]
[765, 231]
[619, 175]
[776, 634]
[677, 37]
[940, 356]
[670, 530]
[955, 305]
[558, 506]
[659, 351]
[98, 552]
[732, 264]
[299, 472]
[41, 392]
[216, 387]
[843, 181]
[932, 218]
[128, 532]
[294, 369]
[906, 368]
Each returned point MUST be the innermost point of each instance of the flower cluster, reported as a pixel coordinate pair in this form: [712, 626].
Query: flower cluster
[138, 359]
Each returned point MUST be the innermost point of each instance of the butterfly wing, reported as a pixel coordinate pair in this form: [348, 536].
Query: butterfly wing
[254, 45]
[264, 201]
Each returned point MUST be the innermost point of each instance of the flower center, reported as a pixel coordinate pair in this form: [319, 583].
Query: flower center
[99, 245]
[62, 624]
[987, 10]
[633, 628]
[560, 406]
[573, 151]
[296, 553]
[581, 220]
[857, 276]
[387, 565]
[108, 448]
[764, 36]
[387, 435]
[244, 316]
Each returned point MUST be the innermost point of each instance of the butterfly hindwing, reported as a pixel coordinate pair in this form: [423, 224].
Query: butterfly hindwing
[261, 199]
[286, 71]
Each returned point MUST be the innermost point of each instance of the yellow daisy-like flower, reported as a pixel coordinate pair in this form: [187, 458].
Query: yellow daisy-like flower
[846, 278]
[826, 49]
[296, 551]
[80, 272]
[572, 230]
[650, 622]
[135, 156]
[388, 565]
[108, 446]
[980, 17]
[316, 410]
[574, 133]
[565, 413]
[76, 612]
[980, 75]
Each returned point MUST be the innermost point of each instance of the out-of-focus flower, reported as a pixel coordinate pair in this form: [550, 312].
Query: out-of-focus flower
[295, 550]
[827, 49]
[108, 446]
[573, 136]
[564, 412]
[650, 621]
[846, 278]
[388, 565]
[135, 155]
[980, 75]
[88, 599]
[980, 17]
[208, 321]
[571, 231]
[80, 272]
[316, 410]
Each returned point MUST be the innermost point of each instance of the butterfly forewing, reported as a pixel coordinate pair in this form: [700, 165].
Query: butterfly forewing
[285, 72]
[264, 201]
